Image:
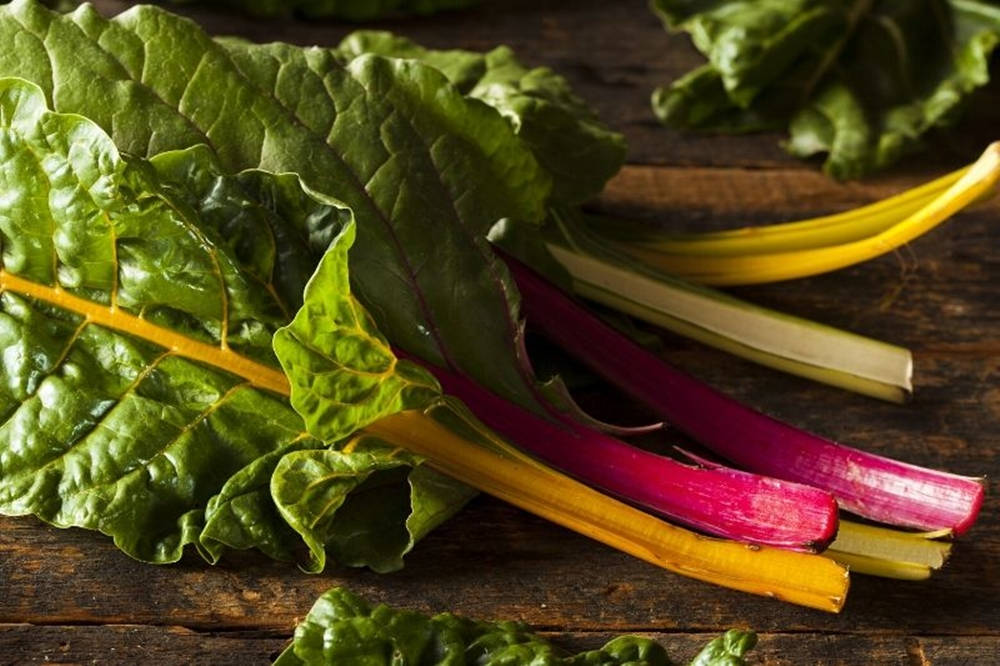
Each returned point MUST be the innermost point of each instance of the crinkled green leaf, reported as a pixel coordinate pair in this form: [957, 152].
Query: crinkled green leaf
[778, 45]
[908, 68]
[347, 502]
[861, 82]
[341, 628]
[351, 10]
[698, 100]
[425, 170]
[341, 370]
[243, 515]
[565, 135]
[727, 650]
[113, 270]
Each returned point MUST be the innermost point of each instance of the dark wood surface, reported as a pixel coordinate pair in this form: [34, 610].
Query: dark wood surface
[67, 596]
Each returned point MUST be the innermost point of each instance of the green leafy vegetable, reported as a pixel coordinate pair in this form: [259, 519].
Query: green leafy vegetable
[351, 10]
[727, 650]
[859, 81]
[140, 393]
[392, 139]
[342, 628]
[343, 374]
[563, 133]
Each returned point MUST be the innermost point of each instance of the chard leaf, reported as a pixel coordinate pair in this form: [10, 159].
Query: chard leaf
[908, 68]
[727, 650]
[425, 170]
[341, 370]
[341, 628]
[861, 82]
[783, 46]
[564, 134]
[348, 502]
[140, 395]
[343, 373]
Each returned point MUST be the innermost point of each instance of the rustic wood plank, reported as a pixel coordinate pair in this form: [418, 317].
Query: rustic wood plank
[613, 53]
[492, 561]
[134, 644]
[709, 197]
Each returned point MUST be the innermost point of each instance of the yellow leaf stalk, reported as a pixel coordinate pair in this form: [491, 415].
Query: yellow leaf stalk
[835, 229]
[457, 445]
[771, 338]
[889, 553]
[811, 247]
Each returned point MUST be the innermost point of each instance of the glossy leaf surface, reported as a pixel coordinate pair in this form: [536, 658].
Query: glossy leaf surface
[425, 170]
[860, 82]
[141, 396]
[342, 628]
[566, 137]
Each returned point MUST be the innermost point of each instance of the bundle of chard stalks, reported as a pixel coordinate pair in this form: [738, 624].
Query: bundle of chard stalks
[272, 297]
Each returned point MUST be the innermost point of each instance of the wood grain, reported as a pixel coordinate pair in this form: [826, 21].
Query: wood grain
[67, 596]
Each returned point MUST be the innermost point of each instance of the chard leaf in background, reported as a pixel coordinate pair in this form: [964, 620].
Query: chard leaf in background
[351, 10]
[140, 393]
[566, 137]
[860, 82]
[341, 628]
[425, 170]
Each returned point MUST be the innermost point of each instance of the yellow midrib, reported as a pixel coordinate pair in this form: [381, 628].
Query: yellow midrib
[117, 319]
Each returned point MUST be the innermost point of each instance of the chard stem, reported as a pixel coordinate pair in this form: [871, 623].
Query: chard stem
[722, 501]
[459, 446]
[872, 486]
[835, 229]
[879, 551]
[777, 340]
[977, 181]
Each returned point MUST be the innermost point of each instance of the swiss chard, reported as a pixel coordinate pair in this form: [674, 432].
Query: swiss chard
[141, 394]
[390, 138]
[427, 172]
[341, 628]
[456, 443]
[141, 303]
[860, 82]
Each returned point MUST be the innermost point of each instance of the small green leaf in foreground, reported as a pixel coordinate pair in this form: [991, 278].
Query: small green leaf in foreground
[341, 628]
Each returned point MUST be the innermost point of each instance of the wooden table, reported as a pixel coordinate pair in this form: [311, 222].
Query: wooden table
[67, 596]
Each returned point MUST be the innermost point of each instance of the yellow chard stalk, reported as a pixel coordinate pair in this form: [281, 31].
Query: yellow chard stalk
[889, 553]
[801, 249]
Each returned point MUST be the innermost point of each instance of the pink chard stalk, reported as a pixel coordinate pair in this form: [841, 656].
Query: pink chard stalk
[869, 485]
[725, 502]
